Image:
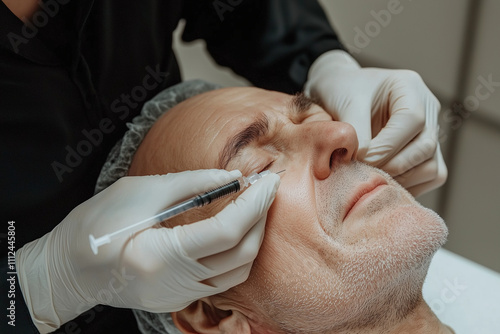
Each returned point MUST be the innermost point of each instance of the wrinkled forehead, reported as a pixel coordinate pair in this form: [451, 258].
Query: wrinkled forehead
[213, 117]
[230, 107]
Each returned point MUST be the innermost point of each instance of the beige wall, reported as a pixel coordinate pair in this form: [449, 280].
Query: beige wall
[455, 46]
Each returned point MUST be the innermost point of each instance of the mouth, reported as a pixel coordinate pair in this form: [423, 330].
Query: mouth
[363, 192]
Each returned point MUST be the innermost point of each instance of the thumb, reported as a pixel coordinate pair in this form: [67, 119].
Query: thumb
[228, 227]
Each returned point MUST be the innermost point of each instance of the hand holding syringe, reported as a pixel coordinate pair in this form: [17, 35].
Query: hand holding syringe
[165, 268]
[194, 202]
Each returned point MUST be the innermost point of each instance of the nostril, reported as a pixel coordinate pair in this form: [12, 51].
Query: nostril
[341, 151]
[337, 154]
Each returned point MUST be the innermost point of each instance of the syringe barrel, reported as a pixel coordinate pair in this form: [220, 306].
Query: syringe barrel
[209, 196]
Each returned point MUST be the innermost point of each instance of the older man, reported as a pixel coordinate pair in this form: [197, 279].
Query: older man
[346, 248]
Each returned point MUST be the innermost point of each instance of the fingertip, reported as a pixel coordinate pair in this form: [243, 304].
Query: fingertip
[373, 158]
[235, 173]
[273, 180]
[361, 153]
[364, 139]
[261, 193]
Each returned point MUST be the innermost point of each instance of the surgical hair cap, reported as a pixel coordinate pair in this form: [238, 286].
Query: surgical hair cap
[120, 157]
[118, 164]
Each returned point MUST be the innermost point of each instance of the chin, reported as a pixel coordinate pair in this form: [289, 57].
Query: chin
[386, 274]
[398, 250]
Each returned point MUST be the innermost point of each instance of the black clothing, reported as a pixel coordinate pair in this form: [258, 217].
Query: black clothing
[72, 77]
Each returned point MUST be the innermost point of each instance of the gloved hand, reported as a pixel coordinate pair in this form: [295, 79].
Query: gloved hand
[159, 269]
[394, 113]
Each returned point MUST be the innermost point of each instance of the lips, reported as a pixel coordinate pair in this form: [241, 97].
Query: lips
[362, 190]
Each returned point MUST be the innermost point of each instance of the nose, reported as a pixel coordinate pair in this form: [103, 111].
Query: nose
[329, 143]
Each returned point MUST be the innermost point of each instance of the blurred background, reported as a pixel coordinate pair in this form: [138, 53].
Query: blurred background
[455, 46]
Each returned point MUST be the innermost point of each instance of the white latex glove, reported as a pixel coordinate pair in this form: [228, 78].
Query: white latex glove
[159, 269]
[394, 113]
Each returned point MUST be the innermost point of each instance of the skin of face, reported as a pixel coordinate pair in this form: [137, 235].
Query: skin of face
[345, 248]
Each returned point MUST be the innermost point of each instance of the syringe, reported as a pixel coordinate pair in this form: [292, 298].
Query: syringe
[194, 202]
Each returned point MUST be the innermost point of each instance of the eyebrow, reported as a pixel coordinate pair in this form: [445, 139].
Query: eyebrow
[258, 128]
[298, 105]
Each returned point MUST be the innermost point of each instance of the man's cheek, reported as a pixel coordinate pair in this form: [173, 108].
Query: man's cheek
[291, 222]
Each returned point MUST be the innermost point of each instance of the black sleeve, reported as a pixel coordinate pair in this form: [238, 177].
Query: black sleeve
[272, 43]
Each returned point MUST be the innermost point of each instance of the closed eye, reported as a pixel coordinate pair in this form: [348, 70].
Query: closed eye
[267, 166]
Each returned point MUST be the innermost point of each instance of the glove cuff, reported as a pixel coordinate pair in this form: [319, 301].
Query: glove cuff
[35, 281]
[327, 63]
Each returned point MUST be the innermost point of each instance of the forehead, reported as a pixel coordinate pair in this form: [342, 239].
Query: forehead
[234, 106]
[203, 124]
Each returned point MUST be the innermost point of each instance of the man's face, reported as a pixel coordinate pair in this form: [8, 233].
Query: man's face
[344, 243]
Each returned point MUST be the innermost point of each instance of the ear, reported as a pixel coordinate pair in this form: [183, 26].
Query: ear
[204, 318]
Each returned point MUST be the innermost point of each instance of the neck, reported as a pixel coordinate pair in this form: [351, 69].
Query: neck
[420, 321]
